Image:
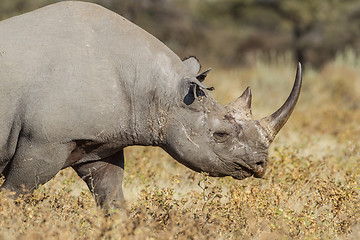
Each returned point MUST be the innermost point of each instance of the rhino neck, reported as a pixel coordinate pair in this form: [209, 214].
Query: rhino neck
[147, 124]
[152, 97]
[149, 75]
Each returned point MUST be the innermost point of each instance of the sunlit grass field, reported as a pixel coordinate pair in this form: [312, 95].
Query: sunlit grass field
[310, 191]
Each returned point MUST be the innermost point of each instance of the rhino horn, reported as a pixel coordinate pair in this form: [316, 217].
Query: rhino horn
[273, 123]
[240, 108]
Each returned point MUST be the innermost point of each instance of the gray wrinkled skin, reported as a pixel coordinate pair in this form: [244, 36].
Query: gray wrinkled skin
[79, 83]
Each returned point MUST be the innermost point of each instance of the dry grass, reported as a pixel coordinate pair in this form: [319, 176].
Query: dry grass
[311, 190]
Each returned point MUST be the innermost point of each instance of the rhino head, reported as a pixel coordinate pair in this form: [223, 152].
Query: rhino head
[223, 140]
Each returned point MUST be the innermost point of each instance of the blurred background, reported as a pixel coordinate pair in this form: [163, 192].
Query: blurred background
[232, 32]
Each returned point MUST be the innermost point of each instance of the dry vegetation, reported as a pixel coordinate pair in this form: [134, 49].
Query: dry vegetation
[311, 190]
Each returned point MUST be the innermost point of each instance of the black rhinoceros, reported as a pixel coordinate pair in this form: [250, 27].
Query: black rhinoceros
[79, 83]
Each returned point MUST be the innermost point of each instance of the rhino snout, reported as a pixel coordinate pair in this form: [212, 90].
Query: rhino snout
[259, 168]
[255, 168]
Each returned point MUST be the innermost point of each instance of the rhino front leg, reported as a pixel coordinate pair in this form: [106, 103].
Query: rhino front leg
[104, 179]
[34, 164]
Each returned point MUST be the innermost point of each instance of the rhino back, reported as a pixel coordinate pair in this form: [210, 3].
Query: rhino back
[77, 70]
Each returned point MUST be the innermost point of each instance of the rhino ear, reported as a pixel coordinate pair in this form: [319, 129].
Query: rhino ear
[192, 63]
[201, 77]
[200, 85]
[195, 90]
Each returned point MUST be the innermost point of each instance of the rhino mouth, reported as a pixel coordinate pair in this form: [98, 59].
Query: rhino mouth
[243, 170]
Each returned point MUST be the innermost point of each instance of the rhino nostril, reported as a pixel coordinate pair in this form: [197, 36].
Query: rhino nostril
[260, 163]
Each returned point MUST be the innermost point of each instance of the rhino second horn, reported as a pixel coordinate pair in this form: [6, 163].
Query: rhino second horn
[273, 123]
[240, 108]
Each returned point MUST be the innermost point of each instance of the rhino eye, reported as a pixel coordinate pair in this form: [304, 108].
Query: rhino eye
[221, 136]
